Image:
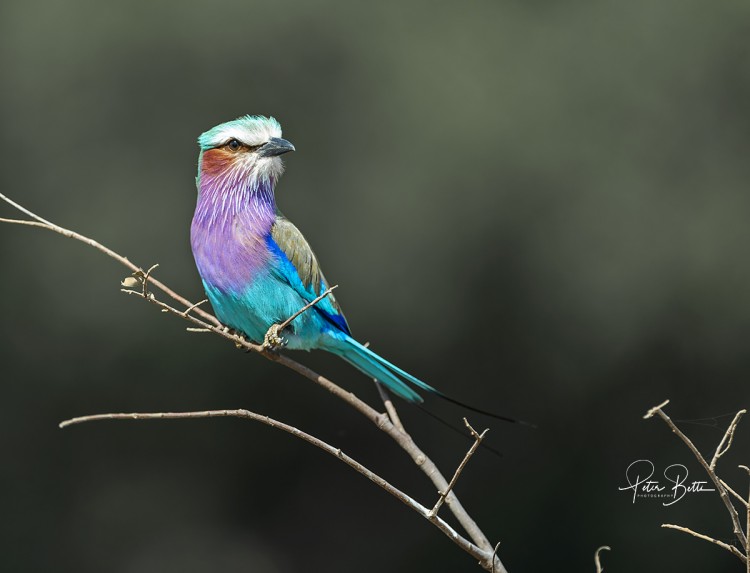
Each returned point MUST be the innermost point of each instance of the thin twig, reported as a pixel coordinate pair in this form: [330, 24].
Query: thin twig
[193, 307]
[726, 441]
[741, 499]
[711, 473]
[597, 560]
[273, 338]
[494, 554]
[731, 548]
[210, 323]
[145, 276]
[308, 306]
[469, 547]
[23, 222]
[389, 407]
[477, 440]
[654, 410]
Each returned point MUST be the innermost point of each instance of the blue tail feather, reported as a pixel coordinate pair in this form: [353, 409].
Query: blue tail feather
[416, 381]
[380, 369]
[394, 378]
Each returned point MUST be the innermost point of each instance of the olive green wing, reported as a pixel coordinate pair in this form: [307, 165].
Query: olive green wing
[303, 272]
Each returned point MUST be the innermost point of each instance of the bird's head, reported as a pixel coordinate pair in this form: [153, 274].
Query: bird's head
[244, 149]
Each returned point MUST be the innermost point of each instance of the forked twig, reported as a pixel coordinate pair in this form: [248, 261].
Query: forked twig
[477, 440]
[144, 278]
[721, 487]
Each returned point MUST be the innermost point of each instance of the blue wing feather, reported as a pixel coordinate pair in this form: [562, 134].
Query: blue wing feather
[299, 268]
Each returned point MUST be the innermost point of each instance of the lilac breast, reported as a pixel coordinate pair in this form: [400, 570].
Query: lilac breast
[228, 234]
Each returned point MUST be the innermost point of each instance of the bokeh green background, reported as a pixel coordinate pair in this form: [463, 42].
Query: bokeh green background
[540, 207]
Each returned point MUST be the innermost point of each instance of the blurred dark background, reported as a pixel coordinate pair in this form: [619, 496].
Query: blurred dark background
[540, 207]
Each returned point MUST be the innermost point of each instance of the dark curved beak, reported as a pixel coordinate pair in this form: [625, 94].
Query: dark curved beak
[275, 146]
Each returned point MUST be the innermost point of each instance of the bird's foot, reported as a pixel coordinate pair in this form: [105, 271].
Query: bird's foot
[242, 340]
[273, 340]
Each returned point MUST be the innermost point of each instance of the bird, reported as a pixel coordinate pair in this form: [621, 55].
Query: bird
[257, 268]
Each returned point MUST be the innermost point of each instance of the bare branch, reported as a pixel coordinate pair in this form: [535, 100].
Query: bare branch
[709, 470]
[731, 548]
[477, 440]
[208, 323]
[597, 560]
[485, 557]
[403, 439]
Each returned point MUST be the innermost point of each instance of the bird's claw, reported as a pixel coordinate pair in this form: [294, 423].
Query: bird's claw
[273, 340]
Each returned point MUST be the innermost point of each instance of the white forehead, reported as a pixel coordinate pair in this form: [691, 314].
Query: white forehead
[250, 130]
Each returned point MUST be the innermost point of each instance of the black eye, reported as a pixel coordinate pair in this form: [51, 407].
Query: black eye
[234, 145]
